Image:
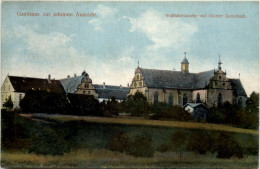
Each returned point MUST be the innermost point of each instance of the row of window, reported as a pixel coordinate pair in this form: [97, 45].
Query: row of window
[86, 92]
[170, 98]
[216, 83]
[138, 84]
[198, 100]
[86, 85]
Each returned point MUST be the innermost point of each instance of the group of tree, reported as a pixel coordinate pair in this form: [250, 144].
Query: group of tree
[201, 142]
[60, 103]
[139, 146]
[48, 141]
[236, 115]
[135, 105]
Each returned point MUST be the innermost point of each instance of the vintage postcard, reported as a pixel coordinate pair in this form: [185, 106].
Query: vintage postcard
[169, 84]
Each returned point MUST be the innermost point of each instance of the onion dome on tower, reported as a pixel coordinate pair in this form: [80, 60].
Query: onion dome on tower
[185, 64]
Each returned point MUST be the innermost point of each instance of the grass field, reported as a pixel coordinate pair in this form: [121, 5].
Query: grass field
[101, 158]
[93, 133]
[139, 121]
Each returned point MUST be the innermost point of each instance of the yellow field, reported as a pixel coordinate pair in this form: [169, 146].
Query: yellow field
[102, 158]
[129, 121]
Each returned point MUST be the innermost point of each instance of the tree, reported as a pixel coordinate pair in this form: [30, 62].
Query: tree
[112, 106]
[47, 141]
[142, 146]
[8, 103]
[137, 105]
[252, 109]
[163, 148]
[119, 143]
[252, 104]
[212, 141]
[199, 142]
[178, 141]
[227, 146]
[178, 113]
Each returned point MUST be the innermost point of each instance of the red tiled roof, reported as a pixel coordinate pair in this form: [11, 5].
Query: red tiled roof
[23, 84]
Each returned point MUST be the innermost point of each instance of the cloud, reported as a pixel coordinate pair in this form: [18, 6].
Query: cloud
[162, 31]
[54, 53]
[48, 46]
[97, 24]
[38, 54]
[104, 13]
[116, 71]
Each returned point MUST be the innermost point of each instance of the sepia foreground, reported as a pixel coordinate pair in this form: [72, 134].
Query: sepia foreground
[92, 137]
[101, 158]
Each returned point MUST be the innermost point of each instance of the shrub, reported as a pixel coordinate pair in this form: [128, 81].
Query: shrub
[228, 147]
[163, 148]
[141, 146]
[112, 107]
[199, 142]
[8, 103]
[47, 141]
[137, 105]
[178, 113]
[119, 143]
[178, 141]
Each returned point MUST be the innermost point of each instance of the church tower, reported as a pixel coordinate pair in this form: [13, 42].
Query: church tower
[220, 89]
[185, 64]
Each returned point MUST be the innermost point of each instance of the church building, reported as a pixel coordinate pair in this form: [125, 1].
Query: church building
[180, 87]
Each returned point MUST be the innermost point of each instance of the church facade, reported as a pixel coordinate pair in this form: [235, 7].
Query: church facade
[180, 87]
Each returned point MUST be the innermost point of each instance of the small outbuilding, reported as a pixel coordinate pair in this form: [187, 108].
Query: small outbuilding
[197, 110]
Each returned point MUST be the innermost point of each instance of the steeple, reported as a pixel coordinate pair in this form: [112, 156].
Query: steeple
[185, 64]
[219, 64]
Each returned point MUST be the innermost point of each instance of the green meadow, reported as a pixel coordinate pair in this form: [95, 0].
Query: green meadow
[91, 138]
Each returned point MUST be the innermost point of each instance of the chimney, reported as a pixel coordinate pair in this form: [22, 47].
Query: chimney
[68, 76]
[49, 78]
[75, 75]
[120, 86]
[104, 85]
[127, 84]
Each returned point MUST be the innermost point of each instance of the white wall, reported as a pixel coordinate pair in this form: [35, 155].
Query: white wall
[189, 109]
[8, 90]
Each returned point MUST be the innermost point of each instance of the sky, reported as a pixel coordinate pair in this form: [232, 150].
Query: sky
[109, 45]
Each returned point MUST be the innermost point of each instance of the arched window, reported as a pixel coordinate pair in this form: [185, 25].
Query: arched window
[240, 101]
[198, 98]
[170, 101]
[185, 99]
[140, 84]
[219, 77]
[155, 97]
[220, 99]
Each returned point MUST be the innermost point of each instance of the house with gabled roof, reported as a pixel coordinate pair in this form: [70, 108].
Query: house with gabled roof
[83, 85]
[197, 110]
[16, 87]
[180, 87]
